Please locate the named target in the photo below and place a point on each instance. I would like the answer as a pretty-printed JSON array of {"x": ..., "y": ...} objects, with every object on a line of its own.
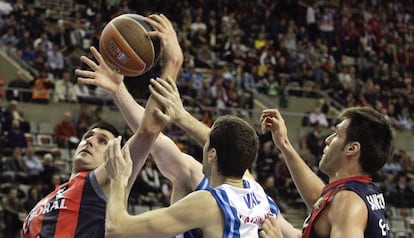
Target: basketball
[{"x": 125, "y": 47}]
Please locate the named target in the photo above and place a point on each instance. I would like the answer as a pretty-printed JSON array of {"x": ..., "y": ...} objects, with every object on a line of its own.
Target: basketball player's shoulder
[{"x": 347, "y": 202}]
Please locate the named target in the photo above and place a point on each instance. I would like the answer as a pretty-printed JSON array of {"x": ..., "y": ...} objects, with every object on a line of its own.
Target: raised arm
[
  {"x": 181, "y": 169},
  {"x": 136, "y": 117},
  {"x": 164, "y": 222},
  {"x": 307, "y": 182}
]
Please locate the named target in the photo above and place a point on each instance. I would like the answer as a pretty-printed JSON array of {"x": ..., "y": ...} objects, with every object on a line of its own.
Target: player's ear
[
  {"x": 212, "y": 155},
  {"x": 352, "y": 148}
]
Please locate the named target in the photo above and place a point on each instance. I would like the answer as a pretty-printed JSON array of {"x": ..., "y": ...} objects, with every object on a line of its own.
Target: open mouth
[{"x": 85, "y": 151}]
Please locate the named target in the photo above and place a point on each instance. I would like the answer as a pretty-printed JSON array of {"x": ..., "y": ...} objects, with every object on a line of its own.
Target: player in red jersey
[
  {"x": 350, "y": 205},
  {"x": 77, "y": 208}
]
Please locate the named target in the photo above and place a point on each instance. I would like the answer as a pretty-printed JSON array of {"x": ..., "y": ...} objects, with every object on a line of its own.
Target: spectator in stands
[
  {"x": 65, "y": 132},
  {"x": 269, "y": 187},
  {"x": 401, "y": 193},
  {"x": 204, "y": 93},
  {"x": 387, "y": 184},
  {"x": 65, "y": 89},
  {"x": 406, "y": 161},
  {"x": 18, "y": 89},
  {"x": 17, "y": 167},
  {"x": 98, "y": 114},
  {"x": 15, "y": 136},
  {"x": 14, "y": 113},
  {"x": 205, "y": 58},
  {"x": 327, "y": 25},
  {"x": 410, "y": 193},
  {"x": 49, "y": 168},
  {"x": 405, "y": 120},
  {"x": 33, "y": 196},
  {"x": 166, "y": 192},
  {"x": 233, "y": 94},
  {"x": 33, "y": 164},
  {"x": 43, "y": 43},
  {"x": 61, "y": 38},
  {"x": 13, "y": 213},
  {"x": 285, "y": 182},
  {"x": 266, "y": 161},
  {"x": 10, "y": 38},
  {"x": 314, "y": 141},
  {"x": 50, "y": 185},
  {"x": 248, "y": 86},
  {"x": 82, "y": 119},
  {"x": 55, "y": 61},
  {"x": 317, "y": 117},
  {"x": 207, "y": 117},
  {"x": 311, "y": 16},
  {"x": 83, "y": 94},
  {"x": 393, "y": 166},
  {"x": 41, "y": 88},
  {"x": 149, "y": 184},
  {"x": 103, "y": 97}
]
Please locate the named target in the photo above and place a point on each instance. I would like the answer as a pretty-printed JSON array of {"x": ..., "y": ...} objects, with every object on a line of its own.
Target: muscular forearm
[
  {"x": 131, "y": 111},
  {"x": 149, "y": 128},
  {"x": 195, "y": 128},
  {"x": 116, "y": 209},
  {"x": 308, "y": 184}
]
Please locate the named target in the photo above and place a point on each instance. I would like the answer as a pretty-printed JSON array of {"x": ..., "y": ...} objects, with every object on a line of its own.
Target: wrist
[
  {"x": 119, "y": 90},
  {"x": 118, "y": 186},
  {"x": 285, "y": 145},
  {"x": 182, "y": 118},
  {"x": 171, "y": 68}
]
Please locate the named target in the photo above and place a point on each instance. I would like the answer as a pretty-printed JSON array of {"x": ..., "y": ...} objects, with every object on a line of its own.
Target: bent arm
[
  {"x": 184, "y": 172},
  {"x": 306, "y": 181},
  {"x": 164, "y": 222}
]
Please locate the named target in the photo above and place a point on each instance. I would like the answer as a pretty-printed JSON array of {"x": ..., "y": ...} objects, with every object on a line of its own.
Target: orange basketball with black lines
[{"x": 126, "y": 48}]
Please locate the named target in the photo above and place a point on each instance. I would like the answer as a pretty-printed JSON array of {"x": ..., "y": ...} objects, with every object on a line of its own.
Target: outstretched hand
[
  {"x": 270, "y": 229},
  {"x": 167, "y": 94},
  {"x": 100, "y": 75},
  {"x": 118, "y": 163}
]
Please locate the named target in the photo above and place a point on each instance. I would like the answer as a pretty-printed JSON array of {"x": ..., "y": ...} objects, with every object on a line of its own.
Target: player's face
[
  {"x": 334, "y": 149},
  {"x": 91, "y": 149}
]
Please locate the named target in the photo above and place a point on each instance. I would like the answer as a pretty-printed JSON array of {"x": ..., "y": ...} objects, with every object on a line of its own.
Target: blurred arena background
[{"x": 310, "y": 59}]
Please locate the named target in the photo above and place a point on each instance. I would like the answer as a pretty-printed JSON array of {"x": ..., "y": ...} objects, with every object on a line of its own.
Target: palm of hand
[{"x": 107, "y": 78}]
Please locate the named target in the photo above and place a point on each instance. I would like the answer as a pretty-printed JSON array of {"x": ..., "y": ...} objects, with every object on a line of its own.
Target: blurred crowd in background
[{"x": 356, "y": 53}]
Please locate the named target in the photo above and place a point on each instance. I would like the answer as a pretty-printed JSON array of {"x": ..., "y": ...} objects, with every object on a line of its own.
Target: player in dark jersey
[
  {"x": 77, "y": 208},
  {"x": 350, "y": 205}
]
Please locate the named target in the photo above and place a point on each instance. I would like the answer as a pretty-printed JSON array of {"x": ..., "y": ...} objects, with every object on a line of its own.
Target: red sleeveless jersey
[{"x": 74, "y": 209}]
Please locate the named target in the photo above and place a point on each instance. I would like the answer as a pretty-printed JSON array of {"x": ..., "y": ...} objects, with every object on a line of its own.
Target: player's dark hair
[
  {"x": 109, "y": 127},
  {"x": 373, "y": 131},
  {"x": 236, "y": 144}
]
